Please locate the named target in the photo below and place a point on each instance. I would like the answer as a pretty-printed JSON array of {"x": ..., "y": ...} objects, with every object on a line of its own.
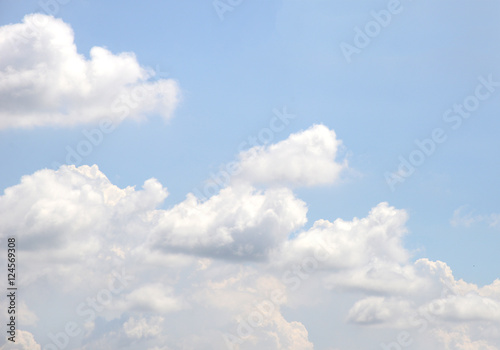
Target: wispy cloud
[{"x": 464, "y": 216}]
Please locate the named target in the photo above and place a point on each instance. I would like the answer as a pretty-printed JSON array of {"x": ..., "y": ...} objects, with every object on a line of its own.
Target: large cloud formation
[
  {"x": 227, "y": 271},
  {"x": 44, "y": 81}
]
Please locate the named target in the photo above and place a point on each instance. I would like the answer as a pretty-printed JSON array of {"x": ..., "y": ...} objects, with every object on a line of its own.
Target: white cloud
[
  {"x": 258, "y": 321},
  {"x": 26, "y": 316},
  {"x": 142, "y": 327},
  {"x": 44, "y": 81},
  {"x": 65, "y": 216},
  {"x": 373, "y": 310},
  {"x": 152, "y": 298},
  {"x": 471, "y": 307},
  {"x": 24, "y": 341},
  {"x": 347, "y": 244},
  {"x": 306, "y": 158},
  {"x": 208, "y": 265},
  {"x": 239, "y": 222},
  {"x": 459, "y": 340}
]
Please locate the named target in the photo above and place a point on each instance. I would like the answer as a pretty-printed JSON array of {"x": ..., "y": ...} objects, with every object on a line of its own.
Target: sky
[{"x": 235, "y": 174}]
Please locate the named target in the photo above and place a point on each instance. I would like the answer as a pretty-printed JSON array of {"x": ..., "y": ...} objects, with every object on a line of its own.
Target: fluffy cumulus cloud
[
  {"x": 44, "y": 81},
  {"x": 374, "y": 310},
  {"x": 233, "y": 271},
  {"x": 239, "y": 222},
  {"x": 65, "y": 216},
  {"x": 306, "y": 158},
  {"x": 359, "y": 242}
]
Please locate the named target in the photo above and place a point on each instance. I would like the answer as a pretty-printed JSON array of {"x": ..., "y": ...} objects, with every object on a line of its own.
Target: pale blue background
[{"x": 269, "y": 54}]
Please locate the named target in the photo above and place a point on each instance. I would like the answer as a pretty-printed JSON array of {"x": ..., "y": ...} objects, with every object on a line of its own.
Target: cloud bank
[{"x": 225, "y": 272}]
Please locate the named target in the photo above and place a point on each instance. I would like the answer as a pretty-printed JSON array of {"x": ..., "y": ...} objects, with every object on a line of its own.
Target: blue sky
[{"x": 232, "y": 72}]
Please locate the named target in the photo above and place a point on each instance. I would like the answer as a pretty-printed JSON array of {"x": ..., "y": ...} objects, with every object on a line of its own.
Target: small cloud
[
  {"x": 465, "y": 217},
  {"x": 306, "y": 158}
]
